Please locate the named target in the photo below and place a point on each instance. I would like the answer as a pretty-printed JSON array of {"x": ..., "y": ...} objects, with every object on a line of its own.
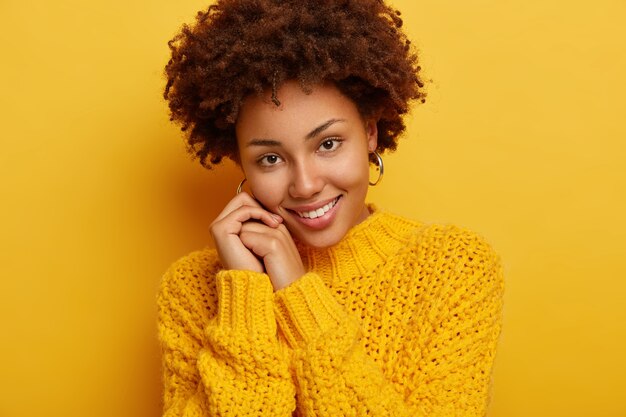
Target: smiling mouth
[{"x": 314, "y": 214}]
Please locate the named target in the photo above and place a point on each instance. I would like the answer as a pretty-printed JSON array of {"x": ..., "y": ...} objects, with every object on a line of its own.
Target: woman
[{"x": 314, "y": 303}]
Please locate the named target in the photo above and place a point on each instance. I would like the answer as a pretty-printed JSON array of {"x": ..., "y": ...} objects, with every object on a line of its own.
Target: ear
[{"x": 371, "y": 129}]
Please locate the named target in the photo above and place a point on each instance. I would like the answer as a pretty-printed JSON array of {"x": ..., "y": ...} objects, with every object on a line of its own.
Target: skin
[{"x": 310, "y": 152}]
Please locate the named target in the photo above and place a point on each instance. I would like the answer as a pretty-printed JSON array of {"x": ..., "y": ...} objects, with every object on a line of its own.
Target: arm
[
  {"x": 441, "y": 363},
  {"x": 229, "y": 363},
  {"x": 334, "y": 375}
]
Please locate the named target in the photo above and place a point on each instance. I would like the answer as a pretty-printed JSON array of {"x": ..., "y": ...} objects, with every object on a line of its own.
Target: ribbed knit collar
[{"x": 366, "y": 246}]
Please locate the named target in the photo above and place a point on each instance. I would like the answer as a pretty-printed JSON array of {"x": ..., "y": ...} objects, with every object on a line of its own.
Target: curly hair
[{"x": 242, "y": 47}]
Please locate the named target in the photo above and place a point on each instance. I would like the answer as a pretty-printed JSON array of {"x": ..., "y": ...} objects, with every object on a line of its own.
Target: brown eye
[
  {"x": 269, "y": 160},
  {"x": 330, "y": 145}
]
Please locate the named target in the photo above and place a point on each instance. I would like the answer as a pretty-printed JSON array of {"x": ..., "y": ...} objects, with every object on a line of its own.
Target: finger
[
  {"x": 242, "y": 199},
  {"x": 261, "y": 243},
  {"x": 233, "y": 222},
  {"x": 261, "y": 239},
  {"x": 283, "y": 229},
  {"x": 256, "y": 227},
  {"x": 281, "y": 259},
  {"x": 249, "y": 200},
  {"x": 270, "y": 239}
]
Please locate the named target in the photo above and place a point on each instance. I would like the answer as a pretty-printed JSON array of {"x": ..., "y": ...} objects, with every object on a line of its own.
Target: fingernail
[{"x": 277, "y": 218}]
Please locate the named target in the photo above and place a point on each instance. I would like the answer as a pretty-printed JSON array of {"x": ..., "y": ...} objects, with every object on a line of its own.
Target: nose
[{"x": 306, "y": 180}]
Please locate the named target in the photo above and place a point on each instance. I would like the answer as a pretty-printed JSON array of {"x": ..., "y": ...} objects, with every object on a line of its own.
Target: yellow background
[{"x": 522, "y": 139}]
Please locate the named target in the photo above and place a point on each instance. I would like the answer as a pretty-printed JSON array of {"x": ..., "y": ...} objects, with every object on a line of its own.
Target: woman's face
[{"x": 307, "y": 160}]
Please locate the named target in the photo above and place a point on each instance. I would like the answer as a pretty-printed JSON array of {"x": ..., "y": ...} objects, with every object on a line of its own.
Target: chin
[{"x": 320, "y": 240}]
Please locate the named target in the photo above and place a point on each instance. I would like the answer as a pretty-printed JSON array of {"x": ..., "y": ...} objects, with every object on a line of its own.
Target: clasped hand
[{"x": 248, "y": 237}]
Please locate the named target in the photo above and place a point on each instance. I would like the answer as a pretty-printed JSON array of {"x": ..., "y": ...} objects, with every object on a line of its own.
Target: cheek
[
  {"x": 354, "y": 173},
  {"x": 268, "y": 191}
]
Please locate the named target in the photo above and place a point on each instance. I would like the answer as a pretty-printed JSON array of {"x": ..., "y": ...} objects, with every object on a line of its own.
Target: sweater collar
[{"x": 365, "y": 247}]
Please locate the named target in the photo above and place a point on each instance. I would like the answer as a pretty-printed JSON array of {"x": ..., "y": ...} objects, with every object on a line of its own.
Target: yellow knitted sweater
[{"x": 398, "y": 319}]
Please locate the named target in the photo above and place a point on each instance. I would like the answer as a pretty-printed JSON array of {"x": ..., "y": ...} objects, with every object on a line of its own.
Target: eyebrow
[
  {"x": 263, "y": 142},
  {"x": 322, "y": 127},
  {"x": 313, "y": 133}
]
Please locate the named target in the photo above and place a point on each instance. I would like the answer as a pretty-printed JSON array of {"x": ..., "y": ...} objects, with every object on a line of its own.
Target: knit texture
[{"x": 397, "y": 319}]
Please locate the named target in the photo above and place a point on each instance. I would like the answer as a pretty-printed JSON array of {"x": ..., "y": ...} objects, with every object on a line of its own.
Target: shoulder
[
  {"x": 455, "y": 274},
  {"x": 455, "y": 255},
  {"x": 436, "y": 236},
  {"x": 203, "y": 262},
  {"x": 186, "y": 300},
  {"x": 189, "y": 282},
  {"x": 463, "y": 263},
  {"x": 452, "y": 241}
]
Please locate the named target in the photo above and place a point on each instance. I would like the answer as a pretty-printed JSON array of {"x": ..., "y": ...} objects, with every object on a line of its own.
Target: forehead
[{"x": 297, "y": 113}]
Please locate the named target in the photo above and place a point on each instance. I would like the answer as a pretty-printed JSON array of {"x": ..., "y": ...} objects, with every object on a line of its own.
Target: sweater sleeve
[
  {"x": 335, "y": 376},
  {"x": 230, "y": 364}
]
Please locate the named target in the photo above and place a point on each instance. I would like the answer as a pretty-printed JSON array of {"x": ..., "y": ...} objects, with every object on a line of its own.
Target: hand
[
  {"x": 276, "y": 247},
  {"x": 227, "y": 227}
]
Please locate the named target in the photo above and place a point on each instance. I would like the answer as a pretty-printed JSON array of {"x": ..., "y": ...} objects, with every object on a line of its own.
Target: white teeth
[{"x": 314, "y": 214}]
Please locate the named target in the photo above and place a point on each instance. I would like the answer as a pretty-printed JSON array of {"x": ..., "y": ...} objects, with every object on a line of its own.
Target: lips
[
  {"x": 317, "y": 216},
  {"x": 315, "y": 213}
]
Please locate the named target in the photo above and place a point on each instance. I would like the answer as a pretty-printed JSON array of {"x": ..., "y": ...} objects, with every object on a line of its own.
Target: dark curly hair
[{"x": 242, "y": 47}]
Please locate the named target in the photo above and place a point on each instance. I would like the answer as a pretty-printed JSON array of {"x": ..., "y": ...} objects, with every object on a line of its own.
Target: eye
[
  {"x": 330, "y": 145},
  {"x": 268, "y": 160}
]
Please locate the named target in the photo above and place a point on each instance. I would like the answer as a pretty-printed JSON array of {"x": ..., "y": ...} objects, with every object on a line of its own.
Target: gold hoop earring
[
  {"x": 240, "y": 186},
  {"x": 381, "y": 169}
]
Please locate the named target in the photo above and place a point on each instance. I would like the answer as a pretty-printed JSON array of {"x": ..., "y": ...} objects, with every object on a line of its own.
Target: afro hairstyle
[{"x": 242, "y": 47}]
